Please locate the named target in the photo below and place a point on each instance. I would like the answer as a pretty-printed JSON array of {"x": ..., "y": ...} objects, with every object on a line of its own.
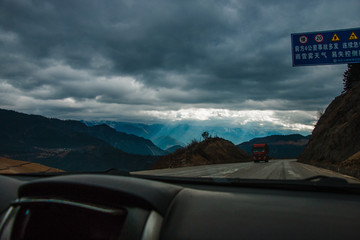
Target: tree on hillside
[
  {"x": 206, "y": 135},
  {"x": 351, "y": 76}
]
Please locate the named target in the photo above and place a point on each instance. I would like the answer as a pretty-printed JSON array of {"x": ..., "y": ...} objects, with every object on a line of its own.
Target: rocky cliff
[{"x": 335, "y": 141}]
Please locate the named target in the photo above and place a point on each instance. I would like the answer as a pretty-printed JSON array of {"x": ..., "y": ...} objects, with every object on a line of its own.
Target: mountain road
[{"x": 279, "y": 169}]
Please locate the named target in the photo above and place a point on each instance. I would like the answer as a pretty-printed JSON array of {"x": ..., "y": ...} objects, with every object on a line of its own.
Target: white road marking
[{"x": 292, "y": 173}]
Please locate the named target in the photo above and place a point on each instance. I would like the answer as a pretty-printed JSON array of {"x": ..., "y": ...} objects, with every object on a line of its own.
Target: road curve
[{"x": 280, "y": 169}]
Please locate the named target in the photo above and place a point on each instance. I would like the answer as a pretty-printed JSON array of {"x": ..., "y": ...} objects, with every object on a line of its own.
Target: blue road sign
[{"x": 326, "y": 47}]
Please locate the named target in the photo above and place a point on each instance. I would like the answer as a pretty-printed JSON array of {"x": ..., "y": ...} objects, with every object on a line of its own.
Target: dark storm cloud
[{"x": 165, "y": 55}]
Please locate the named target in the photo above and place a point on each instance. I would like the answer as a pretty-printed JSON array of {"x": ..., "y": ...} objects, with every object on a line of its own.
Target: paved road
[{"x": 275, "y": 169}]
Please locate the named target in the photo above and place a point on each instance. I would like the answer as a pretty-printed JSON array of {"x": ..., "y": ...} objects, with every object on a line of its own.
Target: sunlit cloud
[{"x": 234, "y": 118}]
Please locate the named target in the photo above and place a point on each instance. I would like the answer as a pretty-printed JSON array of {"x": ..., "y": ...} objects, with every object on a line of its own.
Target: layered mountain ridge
[{"x": 71, "y": 145}]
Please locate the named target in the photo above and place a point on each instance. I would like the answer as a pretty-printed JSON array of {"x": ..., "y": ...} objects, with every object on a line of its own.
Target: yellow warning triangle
[
  {"x": 353, "y": 36},
  {"x": 335, "y": 38}
]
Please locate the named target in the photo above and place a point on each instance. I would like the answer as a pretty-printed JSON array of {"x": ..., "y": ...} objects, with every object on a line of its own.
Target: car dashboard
[{"x": 99, "y": 206}]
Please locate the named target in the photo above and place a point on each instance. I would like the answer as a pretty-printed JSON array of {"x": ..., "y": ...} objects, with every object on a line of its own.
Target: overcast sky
[{"x": 222, "y": 62}]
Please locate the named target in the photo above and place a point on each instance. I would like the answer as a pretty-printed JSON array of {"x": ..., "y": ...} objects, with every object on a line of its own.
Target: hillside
[
  {"x": 10, "y": 166},
  {"x": 173, "y": 148},
  {"x": 67, "y": 145},
  {"x": 210, "y": 151},
  {"x": 335, "y": 140},
  {"x": 126, "y": 142},
  {"x": 280, "y": 146}
]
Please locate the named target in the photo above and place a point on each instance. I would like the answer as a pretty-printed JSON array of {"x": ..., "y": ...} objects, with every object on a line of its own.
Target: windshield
[{"x": 181, "y": 88}]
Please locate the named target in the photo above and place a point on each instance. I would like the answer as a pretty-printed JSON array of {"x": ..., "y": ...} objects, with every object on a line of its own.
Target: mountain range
[
  {"x": 71, "y": 145},
  {"x": 74, "y": 146},
  {"x": 170, "y": 134}
]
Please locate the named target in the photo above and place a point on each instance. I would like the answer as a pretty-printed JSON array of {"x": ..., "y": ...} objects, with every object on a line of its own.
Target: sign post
[{"x": 326, "y": 47}]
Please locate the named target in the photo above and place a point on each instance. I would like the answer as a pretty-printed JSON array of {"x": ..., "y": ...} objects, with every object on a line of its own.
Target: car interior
[{"x": 110, "y": 206}]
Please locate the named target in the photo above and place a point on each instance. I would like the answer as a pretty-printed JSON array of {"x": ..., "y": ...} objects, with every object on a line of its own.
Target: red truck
[{"x": 260, "y": 152}]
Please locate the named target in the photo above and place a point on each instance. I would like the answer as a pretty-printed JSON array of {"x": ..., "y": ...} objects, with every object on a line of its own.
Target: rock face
[
  {"x": 210, "y": 151},
  {"x": 336, "y": 136}
]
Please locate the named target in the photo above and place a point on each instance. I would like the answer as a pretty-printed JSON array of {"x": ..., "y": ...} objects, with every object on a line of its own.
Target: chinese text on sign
[{"x": 326, "y": 47}]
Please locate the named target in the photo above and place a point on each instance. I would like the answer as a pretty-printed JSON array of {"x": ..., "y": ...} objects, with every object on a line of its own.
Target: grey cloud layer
[{"x": 166, "y": 54}]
